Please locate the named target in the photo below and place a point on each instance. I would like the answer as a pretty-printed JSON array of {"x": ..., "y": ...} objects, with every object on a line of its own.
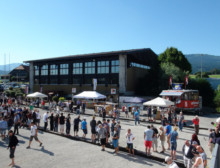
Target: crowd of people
[{"x": 106, "y": 131}]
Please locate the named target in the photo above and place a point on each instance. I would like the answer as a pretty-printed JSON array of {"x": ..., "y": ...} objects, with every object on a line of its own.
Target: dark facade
[
  {"x": 113, "y": 70},
  {"x": 20, "y": 74}
]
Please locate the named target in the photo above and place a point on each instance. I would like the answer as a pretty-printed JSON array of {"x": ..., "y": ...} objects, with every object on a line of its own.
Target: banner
[
  {"x": 41, "y": 89},
  {"x": 186, "y": 80},
  {"x": 26, "y": 90},
  {"x": 170, "y": 81},
  {"x": 177, "y": 86}
]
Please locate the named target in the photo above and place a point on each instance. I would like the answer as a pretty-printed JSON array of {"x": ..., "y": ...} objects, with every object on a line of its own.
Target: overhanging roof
[
  {"x": 102, "y": 54},
  {"x": 175, "y": 92}
]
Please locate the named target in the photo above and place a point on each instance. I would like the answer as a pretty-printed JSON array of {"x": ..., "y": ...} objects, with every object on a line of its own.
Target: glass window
[
  {"x": 115, "y": 66},
  {"x": 89, "y": 67},
  {"x": 77, "y": 68},
  {"x": 53, "y": 69},
  {"x": 44, "y": 70},
  {"x": 36, "y": 70},
  {"x": 103, "y": 67},
  {"x": 64, "y": 69}
]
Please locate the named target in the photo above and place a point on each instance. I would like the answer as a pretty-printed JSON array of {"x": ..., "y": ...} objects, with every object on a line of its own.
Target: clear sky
[{"x": 34, "y": 29}]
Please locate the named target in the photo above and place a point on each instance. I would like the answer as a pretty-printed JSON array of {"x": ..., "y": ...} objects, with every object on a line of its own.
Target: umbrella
[
  {"x": 89, "y": 95},
  {"x": 218, "y": 120},
  {"x": 36, "y": 95},
  {"x": 134, "y": 100},
  {"x": 160, "y": 102}
]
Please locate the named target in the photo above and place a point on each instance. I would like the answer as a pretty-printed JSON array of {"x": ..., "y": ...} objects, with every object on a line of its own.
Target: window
[
  {"x": 36, "y": 70},
  {"x": 89, "y": 67},
  {"x": 103, "y": 67},
  {"x": 64, "y": 69},
  {"x": 139, "y": 65},
  {"x": 115, "y": 66},
  {"x": 77, "y": 68},
  {"x": 53, "y": 69},
  {"x": 44, "y": 70}
]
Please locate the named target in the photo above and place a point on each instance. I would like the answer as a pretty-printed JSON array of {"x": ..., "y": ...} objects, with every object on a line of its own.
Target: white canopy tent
[
  {"x": 36, "y": 95},
  {"x": 89, "y": 95},
  {"x": 159, "y": 102}
]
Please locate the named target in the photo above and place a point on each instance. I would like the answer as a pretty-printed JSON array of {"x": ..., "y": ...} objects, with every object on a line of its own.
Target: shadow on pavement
[
  {"x": 22, "y": 137},
  {"x": 44, "y": 151}
]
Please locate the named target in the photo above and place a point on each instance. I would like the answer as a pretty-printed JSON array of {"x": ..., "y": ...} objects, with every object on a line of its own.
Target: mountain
[
  {"x": 209, "y": 62},
  {"x": 3, "y": 72},
  {"x": 12, "y": 66}
]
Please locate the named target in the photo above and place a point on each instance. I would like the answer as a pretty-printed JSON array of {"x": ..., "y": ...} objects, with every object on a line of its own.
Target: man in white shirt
[
  {"x": 130, "y": 137},
  {"x": 33, "y": 135},
  {"x": 170, "y": 162},
  {"x": 45, "y": 118}
]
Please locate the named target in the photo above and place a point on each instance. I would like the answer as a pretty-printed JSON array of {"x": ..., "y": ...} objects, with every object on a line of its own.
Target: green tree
[
  {"x": 172, "y": 55},
  {"x": 205, "y": 90}
]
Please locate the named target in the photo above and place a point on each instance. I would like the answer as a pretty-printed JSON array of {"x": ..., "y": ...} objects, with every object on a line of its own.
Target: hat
[{"x": 167, "y": 159}]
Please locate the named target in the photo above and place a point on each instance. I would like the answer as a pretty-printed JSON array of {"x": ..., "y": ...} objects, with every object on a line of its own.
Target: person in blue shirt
[
  {"x": 84, "y": 127},
  {"x": 173, "y": 142},
  {"x": 168, "y": 130},
  {"x": 136, "y": 117}
]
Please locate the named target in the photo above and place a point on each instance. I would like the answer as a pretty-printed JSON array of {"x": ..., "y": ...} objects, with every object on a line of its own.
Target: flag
[
  {"x": 186, "y": 80},
  {"x": 170, "y": 81}
]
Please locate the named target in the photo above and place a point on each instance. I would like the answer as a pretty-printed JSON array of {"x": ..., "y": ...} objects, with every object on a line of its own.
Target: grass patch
[
  {"x": 215, "y": 76},
  {"x": 192, "y": 76}
]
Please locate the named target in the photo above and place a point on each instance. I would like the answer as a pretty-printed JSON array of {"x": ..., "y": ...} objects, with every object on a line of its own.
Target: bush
[
  {"x": 61, "y": 99},
  {"x": 55, "y": 98}
]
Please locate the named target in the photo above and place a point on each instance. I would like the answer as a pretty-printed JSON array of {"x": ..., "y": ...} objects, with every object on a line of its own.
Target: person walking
[
  {"x": 76, "y": 125},
  {"x": 13, "y": 141},
  {"x": 84, "y": 127},
  {"x": 102, "y": 135},
  {"x": 33, "y": 135},
  {"x": 130, "y": 138},
  {"x": 173, "y": 142},
  {"x": 68, "y": 125},
  {"x": 202, "y": 154},
  {"x": 93, "y": 129},
  {"x": 154, "y": 138},
  {"x": 196, "y": 124},
  {"x": 181, "y": 120},
  {"x": 45, "y": 118},
  {"x": 62, "y": 122},
  {"x": 198, "y": 160},
  {"x": 148, "y": 134},
  {"x": 113, "y": 124},
  {"x": 38, "y": 116}
]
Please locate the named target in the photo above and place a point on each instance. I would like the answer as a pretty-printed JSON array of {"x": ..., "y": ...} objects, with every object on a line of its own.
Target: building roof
[
  {"x": 22, "y": 67},
  {"x": 103, "y": 54}
]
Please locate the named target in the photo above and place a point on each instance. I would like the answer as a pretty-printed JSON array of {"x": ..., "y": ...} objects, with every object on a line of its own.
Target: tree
[{"x": 172, "y": 55}]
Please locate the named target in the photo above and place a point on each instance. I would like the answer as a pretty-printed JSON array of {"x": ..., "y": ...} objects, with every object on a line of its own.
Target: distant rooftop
[{"x": 110, "y": 53}]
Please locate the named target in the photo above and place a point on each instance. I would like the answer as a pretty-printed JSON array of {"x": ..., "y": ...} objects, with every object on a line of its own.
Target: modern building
[
  {"x": 20, "y": 74},
  {"x": 113, "y": 73}
]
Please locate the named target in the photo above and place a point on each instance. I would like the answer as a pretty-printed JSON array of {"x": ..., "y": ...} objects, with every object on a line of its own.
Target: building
[
  {"x": 5, "y": 78},
  {"x": 116, "y": 73},
  {"x": 20, "y": 74}
]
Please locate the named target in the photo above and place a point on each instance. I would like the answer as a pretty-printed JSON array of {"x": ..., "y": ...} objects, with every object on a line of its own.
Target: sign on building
[
  {"x": 113, "y": 91},
  {"x": 94, "y": 84},
  {"x": 73, "y": 90}
]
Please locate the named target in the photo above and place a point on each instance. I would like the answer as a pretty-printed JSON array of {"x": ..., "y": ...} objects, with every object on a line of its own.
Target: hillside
[
  {"x": 12, "y": 66},
  {"x": 209, "y": 62}
]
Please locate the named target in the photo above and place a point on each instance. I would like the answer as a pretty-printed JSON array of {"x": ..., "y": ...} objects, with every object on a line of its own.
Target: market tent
[
  {"x": 89, "y": 95},
  {"x": 159, "y": 102},
  {"x": 36, "y": 95},
  {"x": 134, "y": 100}
]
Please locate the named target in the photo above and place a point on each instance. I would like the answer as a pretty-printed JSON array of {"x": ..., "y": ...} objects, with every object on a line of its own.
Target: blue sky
[{"x": 48, "y": 28}]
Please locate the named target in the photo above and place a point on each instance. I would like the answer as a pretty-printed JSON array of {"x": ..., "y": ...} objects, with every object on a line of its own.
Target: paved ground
[
  {"x": 60, "y": 152},
  {"x": 57, "y": 149}
]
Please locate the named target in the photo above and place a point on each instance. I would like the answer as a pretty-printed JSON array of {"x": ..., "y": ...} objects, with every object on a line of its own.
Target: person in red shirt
[{"x": 196, "y": 124}]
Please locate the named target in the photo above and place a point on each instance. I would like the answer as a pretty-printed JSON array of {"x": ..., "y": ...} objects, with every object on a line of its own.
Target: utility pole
[{"x": 201, "y": 66}]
